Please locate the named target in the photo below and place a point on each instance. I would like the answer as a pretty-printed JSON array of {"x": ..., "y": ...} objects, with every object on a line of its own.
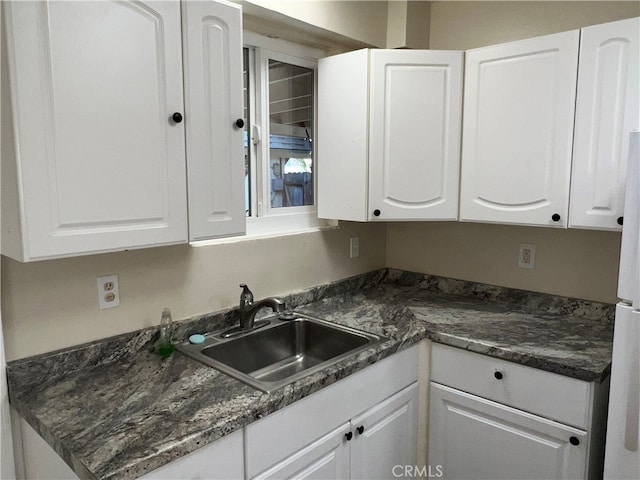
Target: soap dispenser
[{"x": 165, "y": 346}]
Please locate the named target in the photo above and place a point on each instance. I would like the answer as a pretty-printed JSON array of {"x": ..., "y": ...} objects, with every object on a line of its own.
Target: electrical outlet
[
  {"x": 527, "y": 256},
  {"x": 354, "y": 247},
  {"x": 108, "y": 291}
]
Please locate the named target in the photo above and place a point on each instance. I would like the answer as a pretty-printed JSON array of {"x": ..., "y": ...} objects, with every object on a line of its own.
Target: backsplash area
[
  {"x": 569, "y": 262},
  {"x": 53, "y": 304},
  {"x": 57, "y": 364}
]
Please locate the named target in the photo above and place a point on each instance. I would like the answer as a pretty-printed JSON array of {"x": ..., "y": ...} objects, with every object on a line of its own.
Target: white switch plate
[
  {"x": 108, "y": 291},
  {"x": 354, "y": 247},
  {"x": 527, "y": 256}
]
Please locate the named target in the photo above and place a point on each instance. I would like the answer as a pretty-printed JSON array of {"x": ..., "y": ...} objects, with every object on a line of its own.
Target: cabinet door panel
[
  {"x": 414, "y": 138},
  {"x": 607, "y": 109},
  {"x": 93, "y": 85},
  {"x": 213, "y": 97},
  {"x": 388, "y": 437},
  {"x": 474, "y": 438},
  {"x": 518, "y": 130},
  {"x": 326, "y": 458},
  {"x": 343, "y": 119}
]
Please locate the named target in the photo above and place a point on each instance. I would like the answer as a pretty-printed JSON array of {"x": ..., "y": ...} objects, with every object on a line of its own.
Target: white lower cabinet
[
  {"x": 476, "y": 438},
  {"x": 385, "y": 436},
  {"x": 327, "y": 457},
  {"x": 492, "y": 419},
  {"x": 367, "y": 447},
  {"x": 359, "y": 428}
]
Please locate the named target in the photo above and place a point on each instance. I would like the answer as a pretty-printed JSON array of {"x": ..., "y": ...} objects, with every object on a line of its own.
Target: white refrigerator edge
[{"x": 622, "y": 457}]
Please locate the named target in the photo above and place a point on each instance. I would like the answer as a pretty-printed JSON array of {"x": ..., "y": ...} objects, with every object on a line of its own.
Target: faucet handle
[{"x": 246, "y": 297}]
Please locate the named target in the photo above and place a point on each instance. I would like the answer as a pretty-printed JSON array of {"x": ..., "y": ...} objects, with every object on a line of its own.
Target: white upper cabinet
[
  {"x": 98, "y": 116},
  {"x": 212, "y": 49},
  {"x": 99, "y": 163},
  {"x": 414, "y": 143},
  {"x": 389, "y": 135},
  {"x": 518, "y": 130},
  {"x": 607, "y": 109}
]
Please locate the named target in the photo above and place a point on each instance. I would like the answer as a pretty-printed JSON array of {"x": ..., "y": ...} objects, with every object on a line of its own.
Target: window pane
[
  {"x": 247, "y": 150},
  {"x": 291, "y": 134}
]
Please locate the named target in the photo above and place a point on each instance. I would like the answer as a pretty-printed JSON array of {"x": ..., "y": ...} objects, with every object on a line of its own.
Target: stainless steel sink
[{"x": 282, "y": 352}]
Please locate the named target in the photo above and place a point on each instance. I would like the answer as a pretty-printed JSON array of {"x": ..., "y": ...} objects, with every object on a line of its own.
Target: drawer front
[{"x": 546, "y": 394}]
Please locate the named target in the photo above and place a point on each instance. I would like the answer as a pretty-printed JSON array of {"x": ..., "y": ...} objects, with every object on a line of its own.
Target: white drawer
[{"x": 546, "y": 394}]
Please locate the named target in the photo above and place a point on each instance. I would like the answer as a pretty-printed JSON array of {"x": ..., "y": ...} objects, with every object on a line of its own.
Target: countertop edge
[
  {"x": 57, "y": 445},
  {"x": 274, "y": 402},
  {"x": 277, "y": 400},
  {"x": 519, "y": 358}
]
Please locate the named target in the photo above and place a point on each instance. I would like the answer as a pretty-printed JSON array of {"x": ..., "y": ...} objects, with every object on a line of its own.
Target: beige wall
[
  {"x": 54, "y": 304},
  {"x": 570, "y": 262},
  {"x": 574, "y": 263},
  {"x": 462, "y": 25},
  {"x": 365, "y": 21},
  {"x": 354, "y": 23},
  {"x": 408, "y": 24}
]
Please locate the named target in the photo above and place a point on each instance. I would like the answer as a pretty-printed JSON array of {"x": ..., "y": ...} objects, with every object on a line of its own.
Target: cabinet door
[
  {"x": 607, "y": 109},
  {"x": 213, "y": 97},
  {"x": 414, "y": 137},
  {"x": 518, "y": 130},
  {"x": 388, "y": 438},
  {"x": 474, "y": 438},
  {"x": 100, "y": 160},
  {"x": 326, "y": 458},
  {"x": 343, "y": 119}
]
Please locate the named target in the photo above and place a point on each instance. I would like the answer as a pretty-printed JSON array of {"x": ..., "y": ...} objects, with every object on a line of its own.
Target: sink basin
[{"x": 282, "y": 352}]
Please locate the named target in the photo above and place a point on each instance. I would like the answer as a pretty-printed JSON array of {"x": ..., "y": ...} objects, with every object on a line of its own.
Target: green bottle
[{"x": 164, "y": 346}]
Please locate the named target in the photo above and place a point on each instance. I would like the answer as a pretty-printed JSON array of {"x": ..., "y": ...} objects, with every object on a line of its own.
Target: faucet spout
[
  {"x": 248, "y": 314},
  {"x": 248, "y": 308}
]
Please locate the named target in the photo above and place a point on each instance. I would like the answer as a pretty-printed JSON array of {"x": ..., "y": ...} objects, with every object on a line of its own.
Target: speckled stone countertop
[{"x": 112, "y": 409}]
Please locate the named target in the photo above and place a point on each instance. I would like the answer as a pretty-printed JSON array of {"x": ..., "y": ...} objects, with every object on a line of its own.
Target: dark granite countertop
[{"x": 115, "y": 410}]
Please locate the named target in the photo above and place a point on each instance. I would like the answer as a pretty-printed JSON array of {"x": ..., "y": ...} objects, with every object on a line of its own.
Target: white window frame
[{"x": 264, "y": 219}]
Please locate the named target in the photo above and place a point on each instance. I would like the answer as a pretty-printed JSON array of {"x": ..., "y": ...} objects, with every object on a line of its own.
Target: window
[{"x": 280, "y": 112}]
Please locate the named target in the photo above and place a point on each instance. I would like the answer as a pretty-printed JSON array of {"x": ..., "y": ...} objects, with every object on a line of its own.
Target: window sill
[{"x": 330, "y": 225}]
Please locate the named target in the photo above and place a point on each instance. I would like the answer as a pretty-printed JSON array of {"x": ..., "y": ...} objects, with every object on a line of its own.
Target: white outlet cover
[
  {"x": 527, "y": 256},
  {"x": 354, "y": 247},
  {"x": 108, "y": 297}
]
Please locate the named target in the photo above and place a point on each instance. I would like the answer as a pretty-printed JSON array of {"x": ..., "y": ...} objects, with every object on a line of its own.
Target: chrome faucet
[{"x": 249, "y": 308}]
